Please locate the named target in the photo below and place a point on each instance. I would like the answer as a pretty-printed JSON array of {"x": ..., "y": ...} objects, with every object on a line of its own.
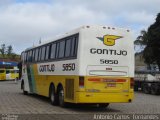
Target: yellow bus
[
  {"x": 90, "y": 65},
  {"x": 12, "y": 74},
  {"x": 2, "y": 74},
  {"x": 15, "y": 74},
  {"x": 9, "y": 74}
]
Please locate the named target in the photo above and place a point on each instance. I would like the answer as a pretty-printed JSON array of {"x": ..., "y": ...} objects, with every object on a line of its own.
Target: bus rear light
[
  {"x": 94, "y": 79},
  {"x": 121, "y": 80},
  {"x": 131, "y": 83},
  {"x": 106, "y": 80},
  {"x": 81, "y": 81}
]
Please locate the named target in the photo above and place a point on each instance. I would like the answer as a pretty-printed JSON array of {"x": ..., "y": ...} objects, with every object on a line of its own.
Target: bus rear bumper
[{"x": 86, "y": 97}]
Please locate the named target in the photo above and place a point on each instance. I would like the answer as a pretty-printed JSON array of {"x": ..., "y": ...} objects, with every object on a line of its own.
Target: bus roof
[{"x": 74, "y": 32}]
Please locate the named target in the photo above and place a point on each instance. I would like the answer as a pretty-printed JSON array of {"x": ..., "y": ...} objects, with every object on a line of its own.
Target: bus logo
[{"x": 109, "y": 40}]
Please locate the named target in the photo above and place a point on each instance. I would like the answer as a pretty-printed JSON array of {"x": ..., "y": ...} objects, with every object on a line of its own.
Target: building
[{"x": 8, "y": 64}]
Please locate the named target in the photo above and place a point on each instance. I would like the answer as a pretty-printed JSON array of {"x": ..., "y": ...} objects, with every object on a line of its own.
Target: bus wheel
[
  {"x": 53, "y": 97},
  {"x": 61, "y": 97},
  {"x": 103, "y": 105},
  {"x": 22, "y": 87}
]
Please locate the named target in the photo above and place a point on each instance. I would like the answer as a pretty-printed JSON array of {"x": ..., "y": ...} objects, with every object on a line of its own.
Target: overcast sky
[{"x": 24, "y": 22}]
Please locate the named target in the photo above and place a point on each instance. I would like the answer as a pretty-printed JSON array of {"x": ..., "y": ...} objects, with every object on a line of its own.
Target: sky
[{"x": 24, "y": 22}]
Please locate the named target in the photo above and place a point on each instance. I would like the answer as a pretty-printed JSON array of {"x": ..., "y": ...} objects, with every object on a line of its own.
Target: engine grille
[{"x": 69, "y": 88}]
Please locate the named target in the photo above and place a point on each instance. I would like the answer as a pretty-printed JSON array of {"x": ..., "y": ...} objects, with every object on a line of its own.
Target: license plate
[{"x": 111, "y": 84}]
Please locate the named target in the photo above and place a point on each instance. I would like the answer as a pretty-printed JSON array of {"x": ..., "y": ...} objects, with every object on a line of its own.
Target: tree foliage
[
  {"x": 3, "y": 49},
  {"x": 7, "y": 52},
  {"x": 151, "y": 40},
  {"x": 142, "y": 39},
  {"x": 154, "y": 40}
]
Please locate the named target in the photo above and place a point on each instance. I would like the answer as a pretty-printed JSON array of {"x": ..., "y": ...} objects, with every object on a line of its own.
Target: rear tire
[
  {"x": 52, "y": 95},
  {"x": 61, "y": 97}
]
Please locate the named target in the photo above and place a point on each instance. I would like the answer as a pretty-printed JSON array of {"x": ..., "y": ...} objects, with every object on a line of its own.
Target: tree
[
  {"x": 142, "y": 39},
  {"x": 3, "y": 50},
  {"x": 13, "y": 56},
  {"x": 154, "y": 40},
  {"x": 151, "y": 40},
  {"x": 9, "y": 50}
]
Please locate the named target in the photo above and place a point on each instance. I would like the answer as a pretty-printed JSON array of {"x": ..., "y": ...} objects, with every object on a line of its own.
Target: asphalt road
[{"x": 12, "y": 101}]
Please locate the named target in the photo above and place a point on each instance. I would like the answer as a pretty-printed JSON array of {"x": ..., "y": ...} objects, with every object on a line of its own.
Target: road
[{"x": 12, "y": 101}]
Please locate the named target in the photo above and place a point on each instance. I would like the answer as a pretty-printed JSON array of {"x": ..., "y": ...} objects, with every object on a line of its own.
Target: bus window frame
[{"x": 57, "y": 42}]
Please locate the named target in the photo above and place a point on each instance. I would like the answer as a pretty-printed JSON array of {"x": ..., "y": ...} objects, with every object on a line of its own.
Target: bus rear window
[{"x": 2, "y": 71}]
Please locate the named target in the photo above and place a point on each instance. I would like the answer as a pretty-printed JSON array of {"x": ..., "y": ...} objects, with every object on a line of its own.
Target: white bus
[
  {"x": 12, "y": 74},
  {"x": 92, "y": 64}
]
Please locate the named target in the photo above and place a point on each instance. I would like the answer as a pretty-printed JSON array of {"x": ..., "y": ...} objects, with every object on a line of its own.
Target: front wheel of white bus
[{"x": 22, "y": 87}]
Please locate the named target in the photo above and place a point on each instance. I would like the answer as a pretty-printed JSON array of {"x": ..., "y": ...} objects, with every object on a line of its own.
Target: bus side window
[
  {"x": 57, "y": 49},
  {"x": 43, "y": 52},
  {"x": 30, "y": 56},
  {"x": 7, "y": 71},
  {"x": 33, "y": 54},
  {"x": 68, "y": 48},
  {"x": 2, "y": 71},
  {"x": 53, "y": 51},
  {"x": 36, "y": 55},
  {"x": 39, "y": 55},
  {"x": 61, "y": 49},
  {"x": 74, "y": 47},
  {"x": 47, "y": 53}
]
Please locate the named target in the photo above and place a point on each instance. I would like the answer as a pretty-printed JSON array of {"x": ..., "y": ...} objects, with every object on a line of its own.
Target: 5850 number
[
  {"x": 68, "y": 67},
  {"x": 104, "y": 61}
]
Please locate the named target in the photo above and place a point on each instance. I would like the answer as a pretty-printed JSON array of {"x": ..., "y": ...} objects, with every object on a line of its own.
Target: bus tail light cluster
[
  {"x": 107, "y": 80},
  {"x": 131, "y": 83},
  {"x": 81, "y": 81}
]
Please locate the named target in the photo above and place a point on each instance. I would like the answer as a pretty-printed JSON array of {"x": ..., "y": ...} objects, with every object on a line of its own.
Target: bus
[
  {"x": 12, "y": 74},
  {"x": 89, "y": 65},
  {"x": 2, "y": 74},
  {"x": 9, "y": 74}
]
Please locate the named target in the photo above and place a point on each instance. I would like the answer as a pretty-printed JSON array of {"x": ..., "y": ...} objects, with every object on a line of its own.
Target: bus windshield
[
  {"x": 2, "y": 71},
  {"x": 7, "y": 71}
]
